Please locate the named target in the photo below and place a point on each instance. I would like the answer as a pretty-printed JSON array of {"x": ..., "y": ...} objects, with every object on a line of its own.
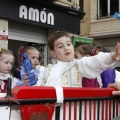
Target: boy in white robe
[{"x": 67, "y": 71}]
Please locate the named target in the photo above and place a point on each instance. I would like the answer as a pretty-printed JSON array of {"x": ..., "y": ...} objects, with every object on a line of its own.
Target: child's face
[
  {"x": 63, "y": 49},
  {"x": 34, "y": 56},
  {"x": 6, "y": 63},
  {"x": 78, "y": 55}
]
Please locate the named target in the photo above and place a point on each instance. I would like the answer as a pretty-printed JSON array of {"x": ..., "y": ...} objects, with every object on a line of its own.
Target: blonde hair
[
  {"x": 22, "y": 50},
  {"x": 6, "y": 52}
]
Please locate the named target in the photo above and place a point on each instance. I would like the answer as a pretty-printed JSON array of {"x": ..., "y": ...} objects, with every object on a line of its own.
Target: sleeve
[
  {"x": 93, "y": 66},
  {"x": 41, "y": 79},
  {"x": 117, "y": 77}
]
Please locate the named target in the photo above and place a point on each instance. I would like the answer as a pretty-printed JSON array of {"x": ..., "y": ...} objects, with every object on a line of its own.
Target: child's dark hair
[
  {"x": 86, "y": 49},
  {"x": 6, "y": 52},
  {"x": 55, "y": 36},
  {"x": 22, "y": 50}
]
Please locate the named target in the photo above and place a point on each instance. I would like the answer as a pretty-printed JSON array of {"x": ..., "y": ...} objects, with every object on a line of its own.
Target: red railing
[{"x": 39, "y": 103}]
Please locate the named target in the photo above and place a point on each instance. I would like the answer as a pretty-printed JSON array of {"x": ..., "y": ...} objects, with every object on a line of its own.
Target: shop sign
[
  {"x": 36, "y": 15},
  {"x": 40, "y": 15}
]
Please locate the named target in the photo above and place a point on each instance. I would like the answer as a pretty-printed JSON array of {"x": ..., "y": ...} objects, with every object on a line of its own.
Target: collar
[{"x": 4, "y": 76}]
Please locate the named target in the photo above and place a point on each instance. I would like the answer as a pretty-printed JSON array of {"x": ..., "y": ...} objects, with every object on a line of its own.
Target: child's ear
[{"x": 53, "y": 53}]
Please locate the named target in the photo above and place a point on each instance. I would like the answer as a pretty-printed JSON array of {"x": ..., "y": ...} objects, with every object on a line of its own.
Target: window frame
[{"x": 108, "y": 9}]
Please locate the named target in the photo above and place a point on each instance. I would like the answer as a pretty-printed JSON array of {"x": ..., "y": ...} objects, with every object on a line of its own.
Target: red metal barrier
[
  {"x": 38, "y": 103},
  {"x": 23, "y": 92},
  {"x": 74, "y": 94}
]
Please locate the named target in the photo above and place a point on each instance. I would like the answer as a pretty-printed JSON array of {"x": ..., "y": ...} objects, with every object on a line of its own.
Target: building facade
[
  {"x": 99, "y": 24},
  {"x": 30, "y": 22}
]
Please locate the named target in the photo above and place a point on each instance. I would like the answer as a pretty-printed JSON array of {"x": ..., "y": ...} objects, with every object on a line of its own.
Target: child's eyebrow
[
  {"x": 61, "y": 43},
  {"x": 68, "y": 41},
  {"x": 58, "y": 44}
]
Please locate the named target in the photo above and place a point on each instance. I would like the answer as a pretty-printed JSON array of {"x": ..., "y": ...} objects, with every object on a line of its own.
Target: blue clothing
[
  {"x": 108, "y": 76},
  {"x": 116, "y": 15}
]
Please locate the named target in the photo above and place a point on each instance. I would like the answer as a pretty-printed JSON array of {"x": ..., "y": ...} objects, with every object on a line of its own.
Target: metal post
[{"x": 8, "y": 90}]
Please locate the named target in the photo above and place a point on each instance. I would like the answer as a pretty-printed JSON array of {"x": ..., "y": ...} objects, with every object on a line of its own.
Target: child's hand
[
  {"x": 116, "y": 55},
  {"x": 116, "y": 86},
  {"x": 26, "y": 80}
]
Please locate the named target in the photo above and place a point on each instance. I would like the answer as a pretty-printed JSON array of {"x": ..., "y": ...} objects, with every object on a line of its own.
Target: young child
[
  {"x": 106, "y": 77},
  {"x": 34, "y": 55},
  {"x": 67, "y": 71},
  {"x": 6, "y": 63}
]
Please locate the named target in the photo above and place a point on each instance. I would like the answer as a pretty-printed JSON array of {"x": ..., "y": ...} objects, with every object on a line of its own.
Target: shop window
[
  {"x": 39, "y": 47},
  {"x": 106, "y": 8}
]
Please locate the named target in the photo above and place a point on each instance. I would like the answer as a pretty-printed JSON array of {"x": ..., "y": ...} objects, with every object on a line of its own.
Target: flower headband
[{"x": 93, "y": 52}]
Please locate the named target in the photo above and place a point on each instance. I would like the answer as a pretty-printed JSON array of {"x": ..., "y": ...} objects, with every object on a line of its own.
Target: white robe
[{"x": 89, "y": 67}]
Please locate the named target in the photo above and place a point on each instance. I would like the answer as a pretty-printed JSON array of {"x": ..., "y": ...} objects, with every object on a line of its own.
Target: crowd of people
[
  {"x": 84, "y": 66},
  {"x": 108, "y": 76}
]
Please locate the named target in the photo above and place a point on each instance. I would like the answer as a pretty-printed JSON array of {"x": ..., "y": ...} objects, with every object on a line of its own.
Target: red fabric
[
  {"x": 5, "y": 87},
  {"x": 90, "y": 82}
]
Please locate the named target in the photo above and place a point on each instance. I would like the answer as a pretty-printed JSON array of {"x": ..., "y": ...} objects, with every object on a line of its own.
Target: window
[
  {"x": 103, "y": 8},
  {"x": 81, "y": 5},
  {"x": 115, "y": 6},
  {"x": 107, "y": 8}
]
